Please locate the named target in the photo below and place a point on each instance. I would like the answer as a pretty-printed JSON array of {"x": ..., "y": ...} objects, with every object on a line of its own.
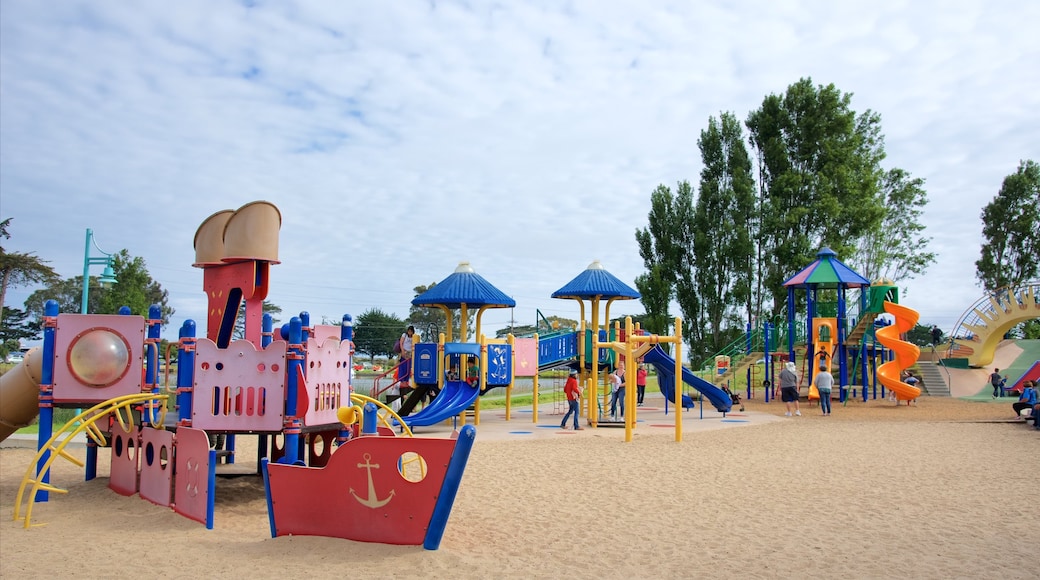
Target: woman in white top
[
  {"x": 408, "y": 342},
  {"x": 617, "y": 385}
]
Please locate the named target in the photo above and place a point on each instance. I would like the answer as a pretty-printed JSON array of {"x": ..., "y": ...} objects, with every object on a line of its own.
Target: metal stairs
[{"x": 934, "y": 379}]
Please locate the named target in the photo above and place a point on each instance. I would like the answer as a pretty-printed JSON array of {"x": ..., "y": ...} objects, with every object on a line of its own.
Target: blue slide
[
  {"x": 665, "y": 366},
  {"x": 455, "y": 398}
]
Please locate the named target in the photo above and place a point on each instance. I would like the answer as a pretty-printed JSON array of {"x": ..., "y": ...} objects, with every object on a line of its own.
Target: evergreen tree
[
  {"x": 20, "y": 269},
  {"x": 375, "y": 332}
]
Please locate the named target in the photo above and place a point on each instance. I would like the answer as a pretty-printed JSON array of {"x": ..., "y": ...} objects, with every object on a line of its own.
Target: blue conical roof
[
  {"x": 827, "y": 271},
  {"x": 595, "y": 282},
  {"x": 464, "y": 286}
]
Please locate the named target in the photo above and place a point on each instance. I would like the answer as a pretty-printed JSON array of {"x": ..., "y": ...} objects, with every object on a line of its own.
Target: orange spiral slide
[{"x": 905, "y": 353}]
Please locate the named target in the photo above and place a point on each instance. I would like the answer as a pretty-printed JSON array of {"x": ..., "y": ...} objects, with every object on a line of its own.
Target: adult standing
[
  {"x": 824, "y": 381},
  {"x": 573, "y": 393},
  {"x": 640, "y": 384},
  {"x": 617, "y": 389},
  {"x": 994, "y": 380},
  {"x": 789, "y": 388}
]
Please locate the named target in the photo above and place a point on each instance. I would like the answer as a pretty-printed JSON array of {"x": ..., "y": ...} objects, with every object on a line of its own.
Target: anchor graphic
[{"x": 373, "y": 500}]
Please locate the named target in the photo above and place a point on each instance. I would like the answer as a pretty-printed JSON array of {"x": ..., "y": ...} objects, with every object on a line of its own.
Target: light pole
[{"x": 107, "y": 277}]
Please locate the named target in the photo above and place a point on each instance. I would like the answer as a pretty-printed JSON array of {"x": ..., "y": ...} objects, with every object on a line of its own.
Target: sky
[{"x": 398, "y": 139}]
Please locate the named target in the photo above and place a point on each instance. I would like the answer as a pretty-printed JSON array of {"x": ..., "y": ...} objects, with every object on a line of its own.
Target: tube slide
[
  {"x": 20, "y": 394},
  {"x": 665, "y": 366},
  {"x": 905, "y": 353},
  {"x": 455, "y": 398}
]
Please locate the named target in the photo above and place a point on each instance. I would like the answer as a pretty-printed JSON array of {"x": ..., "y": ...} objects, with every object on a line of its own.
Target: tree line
[{"x": 802, "y": 172}]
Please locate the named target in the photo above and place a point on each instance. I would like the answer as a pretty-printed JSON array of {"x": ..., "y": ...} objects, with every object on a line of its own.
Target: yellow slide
[
  {"x": 824, "y": 337},
  {"x": 20, "y": 394},
  {"x": 905, "y": 353}
]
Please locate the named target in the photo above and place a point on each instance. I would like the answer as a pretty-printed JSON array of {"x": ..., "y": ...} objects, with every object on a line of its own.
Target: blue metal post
[
  {"x": 790, "y": 324},
  {"x": 292, "y": 427},
  {"x": 152, "y": 362},
  {"x": 185, "y": 371},
  {"x": 266, "y": 330},
  {"x": 843, "y": 370},
  {"x": 452, "y": 479},
  {"x": 370, "y": 419},
  {"x": 46, "y": 422},
  {"x": 305, "y": 334},
  {"x": 346, "y": 334},
  {"x": 346, "y": 329},
  {"x": 767, "y": 366}
]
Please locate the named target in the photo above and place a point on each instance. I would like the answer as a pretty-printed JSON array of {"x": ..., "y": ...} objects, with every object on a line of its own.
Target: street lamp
[{"x": 107, "y": 277}]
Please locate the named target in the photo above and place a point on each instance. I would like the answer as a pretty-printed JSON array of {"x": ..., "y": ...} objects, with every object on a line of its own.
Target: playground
[
  {"x": 321, "y": 478},
  {"x": 785, "y": 497}
]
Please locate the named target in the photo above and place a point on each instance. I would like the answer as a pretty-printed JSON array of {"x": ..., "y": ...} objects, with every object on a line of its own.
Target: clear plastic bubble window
[{"x": 99, "y": 357}]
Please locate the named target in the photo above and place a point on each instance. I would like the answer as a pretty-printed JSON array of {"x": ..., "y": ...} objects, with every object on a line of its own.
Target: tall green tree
[
  {"x": 1011, "y": 250},
  {"x": 655, "y": 293},
  {"x": 897, "y": 249},
  {"x": 376, "y": 331},
  {"x": 666, "y": 245},
  {"x": 722, "y": 232},
  {"x": 15, "y": 326},
  {"x": 819, "y": 172},
  {"x": 68, "y": 293},
  {"x": 134, "y": 288},
  {"x": 19, "y": 269}
]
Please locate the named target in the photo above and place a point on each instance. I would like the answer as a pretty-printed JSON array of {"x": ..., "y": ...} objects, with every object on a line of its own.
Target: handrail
[
  {"x": 949, "y": 377},
  {"x": 985, "y": 305},
  {"x": 387, "y": 412},
  {"x": 375, "y": 382}
]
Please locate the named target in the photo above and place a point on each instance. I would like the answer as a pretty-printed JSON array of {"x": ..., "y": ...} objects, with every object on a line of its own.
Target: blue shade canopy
[
  {"x": 827, "y": 271},
  {"x": 595, "y": 282},
  {"x": 467, "y": 287}
]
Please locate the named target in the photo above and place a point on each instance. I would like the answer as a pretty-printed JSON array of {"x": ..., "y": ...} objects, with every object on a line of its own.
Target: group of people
[
  {"x": 997, "y": 382},
  {"x": 1030, "y": 399},
  {"x": 617, "y": 390},
  {"x": 823, "y": 381},
  {"x": 572, "y": 390}
]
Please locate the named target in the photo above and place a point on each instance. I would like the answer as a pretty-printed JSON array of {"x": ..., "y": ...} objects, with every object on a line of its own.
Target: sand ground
[{"x": 943, "y": 489}]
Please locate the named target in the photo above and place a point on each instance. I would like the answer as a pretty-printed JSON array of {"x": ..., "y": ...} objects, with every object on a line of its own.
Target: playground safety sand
[{"x": 871, "y": 491}]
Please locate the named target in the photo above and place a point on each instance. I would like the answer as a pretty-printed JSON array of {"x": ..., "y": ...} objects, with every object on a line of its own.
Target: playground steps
[
  {"x": 934, "y": 379},
  {"x": 855, "y": 337},
  {"x": 737, "y": 369}
]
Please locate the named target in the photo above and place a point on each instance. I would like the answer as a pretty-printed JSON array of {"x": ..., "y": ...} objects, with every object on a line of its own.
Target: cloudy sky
[{"x": 400, "y": 138}]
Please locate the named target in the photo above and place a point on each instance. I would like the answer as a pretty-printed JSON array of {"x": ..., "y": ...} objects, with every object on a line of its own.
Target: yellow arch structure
[
  {"x": 85, "y": 422},
  {"x": 983, "y": 324}
]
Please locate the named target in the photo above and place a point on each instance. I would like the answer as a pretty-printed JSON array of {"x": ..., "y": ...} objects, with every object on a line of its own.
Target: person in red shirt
[
  {"x": 640, "y": 384},
  {"x": 573, "y": 393}
]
